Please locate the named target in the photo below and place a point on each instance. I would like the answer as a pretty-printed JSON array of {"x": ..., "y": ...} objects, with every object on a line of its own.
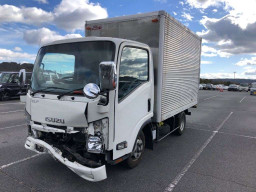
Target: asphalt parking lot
[{"x": 216, "y": 153}]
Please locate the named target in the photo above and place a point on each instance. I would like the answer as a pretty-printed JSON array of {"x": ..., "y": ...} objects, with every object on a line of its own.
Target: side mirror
[
  {"x": 22, "y": 77},
  {"x": 107, "y": 75},
  {"x": 91, "y": 90}
]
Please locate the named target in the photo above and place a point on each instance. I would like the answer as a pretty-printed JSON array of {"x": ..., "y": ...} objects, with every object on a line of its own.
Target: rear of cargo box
[{"x": 176, "y": 56}]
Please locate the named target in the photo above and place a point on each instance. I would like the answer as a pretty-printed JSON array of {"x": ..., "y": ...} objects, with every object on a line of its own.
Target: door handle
[{"x": 149, "y": 105}]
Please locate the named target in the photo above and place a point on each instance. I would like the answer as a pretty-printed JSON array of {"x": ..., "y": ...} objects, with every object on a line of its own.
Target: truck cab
[{"x": 107, "y": 124}]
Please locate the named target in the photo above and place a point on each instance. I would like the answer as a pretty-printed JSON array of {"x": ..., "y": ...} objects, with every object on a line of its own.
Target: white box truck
[{"x": 112, "y": 94}]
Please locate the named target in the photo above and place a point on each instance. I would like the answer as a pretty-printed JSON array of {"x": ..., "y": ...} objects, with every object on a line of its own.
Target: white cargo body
[{"x": 176, "y": 55}]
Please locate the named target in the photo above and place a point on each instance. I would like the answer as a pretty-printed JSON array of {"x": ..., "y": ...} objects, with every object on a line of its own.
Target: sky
[{"x": 228, "y": 28}]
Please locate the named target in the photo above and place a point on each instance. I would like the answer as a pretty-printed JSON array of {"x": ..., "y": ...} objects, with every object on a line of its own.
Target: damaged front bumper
[{"x": 90, "y": 174}]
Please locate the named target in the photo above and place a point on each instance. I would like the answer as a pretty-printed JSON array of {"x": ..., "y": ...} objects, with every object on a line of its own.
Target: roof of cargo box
[
  {"x": 137, "y": 16},
  {"x": 83, "y": 39}
]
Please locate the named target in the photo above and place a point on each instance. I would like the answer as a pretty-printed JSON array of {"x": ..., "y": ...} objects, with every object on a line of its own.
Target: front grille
[{"x": 57, "y": 126}]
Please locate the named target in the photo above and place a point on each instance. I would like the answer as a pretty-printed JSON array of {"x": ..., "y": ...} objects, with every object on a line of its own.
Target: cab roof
[{"x": 83, "y": 39}]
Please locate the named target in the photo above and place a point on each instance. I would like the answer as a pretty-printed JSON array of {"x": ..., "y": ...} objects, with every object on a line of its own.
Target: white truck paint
[{"x": 156, "y": 62}]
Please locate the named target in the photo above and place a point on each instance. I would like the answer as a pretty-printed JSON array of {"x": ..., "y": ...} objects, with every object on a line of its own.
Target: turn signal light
[
  {"x": 118, "y": 160},
  {"x": 121, "y": 146}
]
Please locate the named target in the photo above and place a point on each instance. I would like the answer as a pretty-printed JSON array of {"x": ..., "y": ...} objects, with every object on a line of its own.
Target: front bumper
[{"x": 90, "y": 174}]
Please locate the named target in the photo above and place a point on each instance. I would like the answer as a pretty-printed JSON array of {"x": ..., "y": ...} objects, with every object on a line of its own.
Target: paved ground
[{"x": 216, "y": 153}]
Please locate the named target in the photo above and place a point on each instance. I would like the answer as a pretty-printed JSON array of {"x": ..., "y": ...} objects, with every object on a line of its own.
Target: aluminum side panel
[{"x": 181, "y": 69}]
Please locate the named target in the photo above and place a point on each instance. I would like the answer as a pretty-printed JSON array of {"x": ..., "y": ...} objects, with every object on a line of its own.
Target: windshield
[
  {"x": 9, "y": 78},
  {"x": 70, "y": 66}
]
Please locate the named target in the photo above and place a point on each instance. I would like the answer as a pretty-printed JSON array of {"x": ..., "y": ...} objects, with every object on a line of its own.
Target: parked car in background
[
  {"x": 10, "y": 86},
  {"x": 233, "y": 87},
  {"x": 204, "y": 86},
  {"x": 225, "y": 87},
  {"x": 253, "y": 89},
  {"x": 209, "y": 86},
  {"x": 219, "y": 87},
  {"x": 201, "y": 87},
  {"x": 244, "y": 87},
  {"x": 214, "y": 87}
]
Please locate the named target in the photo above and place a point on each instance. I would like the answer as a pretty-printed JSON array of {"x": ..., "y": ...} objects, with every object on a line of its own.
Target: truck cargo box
[{"x": 176, "y": 56}]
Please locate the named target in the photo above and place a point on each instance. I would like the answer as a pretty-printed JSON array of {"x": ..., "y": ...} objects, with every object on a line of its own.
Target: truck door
[
  {"x": 13, "y": 84},
  {"x": 134, "y": 98}
]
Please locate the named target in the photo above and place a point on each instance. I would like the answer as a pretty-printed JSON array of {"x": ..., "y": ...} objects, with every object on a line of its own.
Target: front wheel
[
  {"x": 137, "y": 152},
  {"x": 4, "y": 96},
  {"x": 182, "y": 124}
]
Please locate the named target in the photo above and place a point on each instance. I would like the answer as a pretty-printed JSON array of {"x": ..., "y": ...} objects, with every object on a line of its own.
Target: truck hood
[{"x": 58, "y": 112}]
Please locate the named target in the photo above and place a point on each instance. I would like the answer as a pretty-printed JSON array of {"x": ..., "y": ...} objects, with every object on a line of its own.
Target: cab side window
[{"x": 133, "y": 70}]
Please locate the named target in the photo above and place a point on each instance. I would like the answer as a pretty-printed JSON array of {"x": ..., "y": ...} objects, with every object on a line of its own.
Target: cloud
[
  {"x": 247, "y": 62},
  {"x": 17, "y": 49},
  {"x": 30, "y": 15},
  {"x": 250, "y": 69},
  {"x": 241, "y": 13},
  {"x": 212, "y": 52},
  {"x": 44, "y": 35},
  {"x": 206, "y": 62},
  {"x": 187, "y": 16},
  {"x": 250, "y": 72},
  {"x": 42, "y": 1},
  {"x": 9, "y": 55},
  {"x": 203, "y": 4},
  {"x": 215, "y": 10},
  {"x": 68, "y": 15},
  {"x": 174, "y": 13},
  {"x": 234, "y": 33},
  {"x": 228, "y": 36}
]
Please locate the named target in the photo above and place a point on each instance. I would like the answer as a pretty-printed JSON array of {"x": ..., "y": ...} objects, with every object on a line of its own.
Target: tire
[
  {"x": 135, "y": 157},
  {"x": 182, "y": 124},
  {"x": 4, "y": 96}
]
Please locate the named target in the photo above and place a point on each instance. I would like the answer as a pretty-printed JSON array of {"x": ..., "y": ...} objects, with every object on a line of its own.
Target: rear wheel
[
  {"x": 137, "y": 152},
  {"x": 182, "y": 124}
]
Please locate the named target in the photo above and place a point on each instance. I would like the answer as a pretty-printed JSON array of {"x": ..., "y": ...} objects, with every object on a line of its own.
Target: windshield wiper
[
  {"x": 40, "y": 90},
  {"x": 63, "y": 94}
]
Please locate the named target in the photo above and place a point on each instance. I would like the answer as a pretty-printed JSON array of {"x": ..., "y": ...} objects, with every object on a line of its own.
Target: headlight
[
  {"x": 101, "y": 127},
  {"x": 94, "y": 144},
  {"x": 99, "y": 136},
  {"x": 1, "y": 86}
]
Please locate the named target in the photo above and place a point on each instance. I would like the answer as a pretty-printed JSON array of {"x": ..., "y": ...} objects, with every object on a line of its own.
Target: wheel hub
[
  {"x": 138, "y": 148},
  {"x": 182, "y": 125}
]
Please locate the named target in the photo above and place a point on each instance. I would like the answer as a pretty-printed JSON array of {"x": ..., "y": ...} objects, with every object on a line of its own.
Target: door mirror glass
[
  {"x": 22, "y": 76},
  {"x": 91, "y": 90},
  {"x": 107, "y": 75}
]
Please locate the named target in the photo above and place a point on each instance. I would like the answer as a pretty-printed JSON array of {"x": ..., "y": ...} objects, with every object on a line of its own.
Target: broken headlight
[
  {"x": 94, "y": 144},
  {"x": 98, "y": 138}
]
